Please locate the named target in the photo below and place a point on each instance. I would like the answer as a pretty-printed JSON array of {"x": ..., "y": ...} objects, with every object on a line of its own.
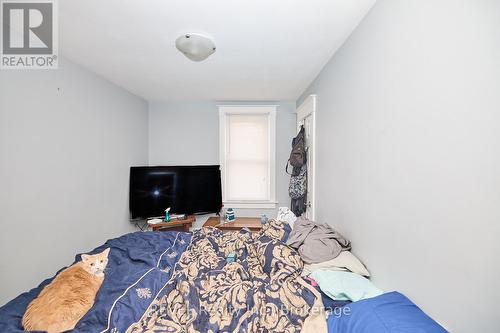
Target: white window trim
[{"x": 240, "y": 109}]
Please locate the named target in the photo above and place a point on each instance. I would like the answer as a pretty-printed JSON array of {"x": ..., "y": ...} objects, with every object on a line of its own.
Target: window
[{"x": 247, "y": 155}]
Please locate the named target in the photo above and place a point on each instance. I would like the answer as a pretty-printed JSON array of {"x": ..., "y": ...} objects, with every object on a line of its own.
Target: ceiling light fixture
[{"x": 196, "y": 47}]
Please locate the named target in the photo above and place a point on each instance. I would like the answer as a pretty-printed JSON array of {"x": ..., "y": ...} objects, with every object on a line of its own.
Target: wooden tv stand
[
  {"x": 252, "y": 223},
  {"x": 177, "y": 225}
]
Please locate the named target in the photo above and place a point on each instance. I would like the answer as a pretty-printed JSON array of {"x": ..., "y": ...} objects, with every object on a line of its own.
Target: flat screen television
[{"x": 186, "y": 189}]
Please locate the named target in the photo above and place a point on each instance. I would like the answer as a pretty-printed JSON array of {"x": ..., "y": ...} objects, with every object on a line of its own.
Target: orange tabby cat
[{"x": 64, "y": 301}]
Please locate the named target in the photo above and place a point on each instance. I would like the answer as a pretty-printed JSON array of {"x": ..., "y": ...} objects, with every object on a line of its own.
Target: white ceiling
[{"x": 266, "y": 49}]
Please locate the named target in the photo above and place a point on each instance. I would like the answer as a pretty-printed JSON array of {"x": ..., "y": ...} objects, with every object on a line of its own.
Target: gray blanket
[{"x": 316, "y": 242}]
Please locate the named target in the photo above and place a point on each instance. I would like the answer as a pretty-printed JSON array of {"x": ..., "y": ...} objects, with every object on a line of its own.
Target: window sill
[{"x": 250, "y": 204}]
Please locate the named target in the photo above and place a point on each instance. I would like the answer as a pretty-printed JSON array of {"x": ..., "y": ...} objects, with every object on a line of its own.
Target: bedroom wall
[
  {"x": 408, "y": 153},
  {"x": 187, "y": 133},
  {"x": 67, "y": 140}
]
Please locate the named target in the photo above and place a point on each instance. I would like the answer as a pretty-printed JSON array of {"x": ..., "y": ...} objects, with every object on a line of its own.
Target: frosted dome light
[{"x": 195, "y": 46}]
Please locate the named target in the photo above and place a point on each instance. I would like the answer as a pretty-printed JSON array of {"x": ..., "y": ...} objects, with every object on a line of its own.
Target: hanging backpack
[{"x": 298, "y": 155}]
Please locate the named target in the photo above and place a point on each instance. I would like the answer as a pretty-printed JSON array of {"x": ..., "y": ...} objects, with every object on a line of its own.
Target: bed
[
  {"x": 186, "y": 282},
  {"x": 183, "y": 282}
]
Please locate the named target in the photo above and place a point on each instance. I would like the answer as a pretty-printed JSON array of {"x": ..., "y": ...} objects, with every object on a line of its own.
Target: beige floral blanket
[{"x": 261, "y": 291}]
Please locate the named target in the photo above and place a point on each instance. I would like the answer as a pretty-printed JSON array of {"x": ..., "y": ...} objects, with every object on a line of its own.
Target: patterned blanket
[{"x": 259, "y": 292}]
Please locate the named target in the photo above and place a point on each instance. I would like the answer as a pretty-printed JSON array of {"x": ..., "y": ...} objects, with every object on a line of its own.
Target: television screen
[{"x": 186, "y": 189}]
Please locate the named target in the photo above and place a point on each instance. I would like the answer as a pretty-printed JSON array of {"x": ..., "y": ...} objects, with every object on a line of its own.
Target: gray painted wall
[
  {"x": 187, "y": 133},
  {"x": 409, "y": 153},
  {"x": 67, "y": 140}
]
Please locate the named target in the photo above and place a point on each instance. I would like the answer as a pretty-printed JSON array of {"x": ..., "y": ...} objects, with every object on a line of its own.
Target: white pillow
[
  {"x": 345, "y": 261},
  {"x": 286, "y": 215}
]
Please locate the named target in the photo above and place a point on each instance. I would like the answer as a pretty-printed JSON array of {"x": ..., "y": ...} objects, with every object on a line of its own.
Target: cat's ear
[
  {"x": 85, "y": 257},
  {"x": 106, "y": 252}
]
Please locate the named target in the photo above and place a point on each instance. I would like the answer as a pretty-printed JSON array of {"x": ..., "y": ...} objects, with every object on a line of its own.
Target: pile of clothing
[
  {"x": 316, "y": 242},
  {"x": 352, "y": 303},
  {"x": 329, "y": 265}
]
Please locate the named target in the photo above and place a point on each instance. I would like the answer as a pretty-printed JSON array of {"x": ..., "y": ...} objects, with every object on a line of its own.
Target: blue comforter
[
  {"x": 388, "y": 313},
  {"x": 139, "y": 265}
]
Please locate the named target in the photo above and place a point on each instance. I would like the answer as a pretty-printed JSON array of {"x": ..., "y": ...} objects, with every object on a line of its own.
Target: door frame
[{"x": 308, "y": 108}]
